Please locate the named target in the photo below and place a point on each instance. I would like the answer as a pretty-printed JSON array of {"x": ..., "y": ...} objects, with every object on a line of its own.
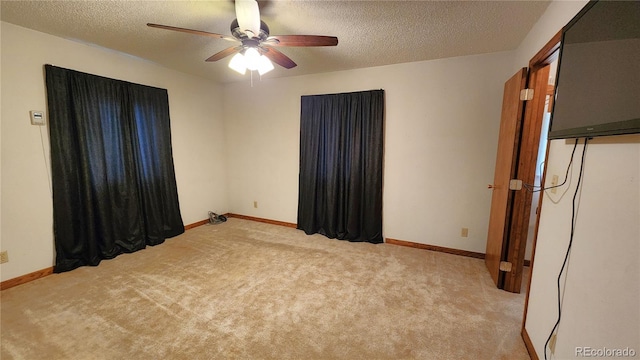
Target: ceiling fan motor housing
[{"x": 241, "y": 35}]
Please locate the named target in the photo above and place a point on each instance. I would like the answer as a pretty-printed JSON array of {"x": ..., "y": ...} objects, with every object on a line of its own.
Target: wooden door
[
  {"x": 526, "y": 172},
  {"x": 506, "y": 164}
]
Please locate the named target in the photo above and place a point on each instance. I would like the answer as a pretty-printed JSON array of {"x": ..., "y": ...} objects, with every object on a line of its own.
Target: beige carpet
[{"x": 248, "y": 290}]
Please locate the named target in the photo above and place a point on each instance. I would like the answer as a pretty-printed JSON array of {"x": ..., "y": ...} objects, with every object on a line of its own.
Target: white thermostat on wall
[{"x": 37, "y": 117}]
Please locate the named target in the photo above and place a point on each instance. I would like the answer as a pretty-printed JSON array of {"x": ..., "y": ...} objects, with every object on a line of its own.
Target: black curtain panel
[
  {"x": 114, "y": 187},
  {"x": 341, "y": 149}
]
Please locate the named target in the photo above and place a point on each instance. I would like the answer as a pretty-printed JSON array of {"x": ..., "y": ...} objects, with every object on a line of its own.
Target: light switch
[{"x": 37, "y": 117}]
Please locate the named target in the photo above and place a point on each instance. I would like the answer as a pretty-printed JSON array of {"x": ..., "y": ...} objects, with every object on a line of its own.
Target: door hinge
[
  {"x": 515, "y": 184},
  {"x": 526, "y": 94},
  {"x": 505, "y": 266}
]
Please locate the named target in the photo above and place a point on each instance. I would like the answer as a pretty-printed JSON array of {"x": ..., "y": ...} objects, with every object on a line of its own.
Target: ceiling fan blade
[
  {"x": 278, "y": 57},
  {"x": 191, "y": 31},
  {"x": 303, "y": 40},
  {"x": 248, "y": 15},
  {"x": 224, "y": 53}
]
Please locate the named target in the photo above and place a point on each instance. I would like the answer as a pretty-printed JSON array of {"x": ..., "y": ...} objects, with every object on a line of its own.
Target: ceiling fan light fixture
[
  {"x": 252, "y": 58},
  {"x": 264, "y": 65},
  {"x": 238, "y": 63}
]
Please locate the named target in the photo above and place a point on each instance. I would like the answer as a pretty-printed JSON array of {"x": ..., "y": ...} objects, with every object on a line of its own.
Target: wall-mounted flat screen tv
[{"x": 598, "y": 78}]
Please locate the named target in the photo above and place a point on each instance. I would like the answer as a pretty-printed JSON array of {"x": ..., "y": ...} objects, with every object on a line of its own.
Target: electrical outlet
[
  {"x": 37, "y": 117},
  {"x": 255, "y": 204},
  {"x": 552, "y": 343},
  {"x": 464, "y": 232},
  {"x": 4, "y": 257},
  {"x": 554, "y": 182}
]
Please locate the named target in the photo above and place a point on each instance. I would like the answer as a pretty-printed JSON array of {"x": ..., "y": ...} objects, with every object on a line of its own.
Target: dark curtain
[
  {"x": 114, "y": 187},
  {"x": 341, "y": 149}
]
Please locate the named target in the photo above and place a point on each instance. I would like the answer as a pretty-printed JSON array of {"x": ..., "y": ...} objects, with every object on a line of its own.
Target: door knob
[{"x": 490, "y": 186}]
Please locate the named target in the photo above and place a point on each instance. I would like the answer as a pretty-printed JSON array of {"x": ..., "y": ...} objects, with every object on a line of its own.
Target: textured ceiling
[{"x": 370, "y": 33}]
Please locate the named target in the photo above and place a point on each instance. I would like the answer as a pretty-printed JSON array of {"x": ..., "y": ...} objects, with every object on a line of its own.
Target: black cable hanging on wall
[{"x": 566, "y": 256}]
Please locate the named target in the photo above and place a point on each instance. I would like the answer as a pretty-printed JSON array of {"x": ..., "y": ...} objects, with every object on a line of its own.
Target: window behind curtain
[
  {"x": 113, "y": 177},
  {"x": 341, "y": 149}
]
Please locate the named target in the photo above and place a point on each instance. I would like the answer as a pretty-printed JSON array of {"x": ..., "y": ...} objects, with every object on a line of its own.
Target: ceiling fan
[{"x": 256, "y": 45}]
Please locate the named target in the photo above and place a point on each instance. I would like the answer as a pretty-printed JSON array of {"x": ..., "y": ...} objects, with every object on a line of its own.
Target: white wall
[
  {"x": 602, "y": 287},
  {"x": 601, "y": 291},
  {"x": 442, "y": 121},
  {"x": 196, "y": 126}
]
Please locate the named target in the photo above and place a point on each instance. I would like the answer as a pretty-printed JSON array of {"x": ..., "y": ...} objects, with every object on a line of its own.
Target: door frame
[{"x": 547, "y": 55}]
